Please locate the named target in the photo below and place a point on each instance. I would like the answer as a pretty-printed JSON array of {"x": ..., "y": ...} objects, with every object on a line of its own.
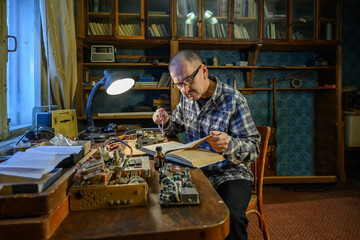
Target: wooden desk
[{"x": 209, "y": 220}]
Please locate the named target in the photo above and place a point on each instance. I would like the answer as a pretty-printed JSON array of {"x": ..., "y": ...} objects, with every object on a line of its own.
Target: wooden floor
[{"x": 304, "y": 192}]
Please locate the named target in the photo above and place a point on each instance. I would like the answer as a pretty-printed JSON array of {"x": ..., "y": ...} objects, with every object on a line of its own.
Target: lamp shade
[{"x": 116, "y": 83}]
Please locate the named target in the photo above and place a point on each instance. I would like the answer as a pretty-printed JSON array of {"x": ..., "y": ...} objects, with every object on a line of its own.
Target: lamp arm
[{"x": 90, "y": 103}]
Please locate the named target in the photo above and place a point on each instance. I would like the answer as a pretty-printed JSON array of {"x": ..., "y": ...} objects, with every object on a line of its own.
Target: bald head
[{"x": 185, "y": 56}]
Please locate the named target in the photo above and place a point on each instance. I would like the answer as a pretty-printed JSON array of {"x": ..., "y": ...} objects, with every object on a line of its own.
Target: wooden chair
[{"x": 256, "y": 201}]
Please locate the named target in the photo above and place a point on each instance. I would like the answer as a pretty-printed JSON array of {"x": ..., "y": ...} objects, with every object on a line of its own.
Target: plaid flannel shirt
[{"x": 226, "y": 111}]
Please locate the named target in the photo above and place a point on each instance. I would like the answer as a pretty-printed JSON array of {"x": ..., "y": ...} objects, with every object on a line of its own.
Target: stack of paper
[{"x": 37, "y": 161}]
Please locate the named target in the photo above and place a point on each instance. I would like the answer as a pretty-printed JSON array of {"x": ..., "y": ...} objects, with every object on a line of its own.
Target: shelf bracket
[{"x": 252, "y": 57}]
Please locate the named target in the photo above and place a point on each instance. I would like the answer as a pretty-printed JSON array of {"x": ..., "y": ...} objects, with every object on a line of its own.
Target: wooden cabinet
[
  {"x": 159, "y": 29},
  {"x": 245, "y": 20},
  {"x": 302, "y": 25},
  {"x": 275, "y": 19}
]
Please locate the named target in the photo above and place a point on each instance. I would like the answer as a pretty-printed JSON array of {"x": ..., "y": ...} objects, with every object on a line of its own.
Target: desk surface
[{"x": 208, "y": 220}]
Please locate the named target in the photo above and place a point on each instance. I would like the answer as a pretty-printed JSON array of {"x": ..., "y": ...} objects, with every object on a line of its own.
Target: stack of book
[
  {"x": 240, "y": 31},
  {"x": 164, "y": 80},
  {"x": 218, "y": 30},
  {"x": 158, "y": 30},
  {"x": 247, "y": 8},
  {"x": 146, "y": 80},
  {"x": 129, "y": 30},
  {"x": 96, "y": 28}
]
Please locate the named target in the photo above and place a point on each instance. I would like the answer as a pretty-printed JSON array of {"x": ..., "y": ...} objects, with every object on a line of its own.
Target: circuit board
[
  {"x": 114, "y": 183},
  {"x": 177, "y": 187}
]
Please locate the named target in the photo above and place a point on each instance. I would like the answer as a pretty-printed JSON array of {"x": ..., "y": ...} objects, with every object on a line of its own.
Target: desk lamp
[{"x": 115, "y": 84}]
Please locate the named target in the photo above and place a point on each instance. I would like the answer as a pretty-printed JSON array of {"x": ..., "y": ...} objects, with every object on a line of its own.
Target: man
[{"x": 210, "y": 107}]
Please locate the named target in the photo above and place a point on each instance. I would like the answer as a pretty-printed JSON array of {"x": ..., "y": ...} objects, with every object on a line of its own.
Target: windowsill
[{"x": 7, "y": 146}]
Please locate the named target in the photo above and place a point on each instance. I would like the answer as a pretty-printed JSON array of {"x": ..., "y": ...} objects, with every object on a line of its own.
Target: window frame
[{"x": 5, "y": 132}]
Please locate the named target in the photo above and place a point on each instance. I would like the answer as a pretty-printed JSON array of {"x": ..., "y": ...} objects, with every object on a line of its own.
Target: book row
[
  {"x": 158, "y": 30},
  {"x": 245, "y": 8},
  {"x": 96, "y": 28}
]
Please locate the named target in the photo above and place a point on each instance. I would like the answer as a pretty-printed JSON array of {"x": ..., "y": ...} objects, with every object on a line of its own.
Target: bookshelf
[
  {"x": 159, "y": 19},
  {"x": 252, "y": 27},
  {"x": 303, "y": 20}
]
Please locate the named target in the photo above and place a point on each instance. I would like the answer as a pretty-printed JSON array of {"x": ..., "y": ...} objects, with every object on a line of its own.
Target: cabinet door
[
  {"x": 187, "y": 18},
  {"x": 245, "y": 19},
  {"x": 99, "y": 14},
  {"x": 130, "y": 19},
  {"x": 275, "y": 19},
  {"x": 216, "y": 18},
  {"x": 329, "y": 20},
  {"x": 303, "y": 16},
  {"x": 159, "y": 18}
]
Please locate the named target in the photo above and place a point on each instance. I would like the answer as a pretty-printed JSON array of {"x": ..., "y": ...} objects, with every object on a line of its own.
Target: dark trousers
[{"x": 236, "y": 195}]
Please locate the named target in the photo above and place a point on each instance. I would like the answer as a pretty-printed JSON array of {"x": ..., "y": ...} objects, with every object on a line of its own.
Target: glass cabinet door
[
  {"x": 159, "y": 18},
  {"x": 245, "y": 19},
  {"x": 187, "y": 18},
  {"x": 216, "y": 18},
  {"x": 329, "y": 18},
  {"x": 129, "y": 19},
  {"x": 303, "y": 15},
  {"x": 275, "y": 19},
  {"x": 99, "y": 17}
]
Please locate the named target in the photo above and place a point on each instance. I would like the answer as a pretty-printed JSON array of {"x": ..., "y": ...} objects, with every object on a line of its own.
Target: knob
[{"x": 79, "y": 194}]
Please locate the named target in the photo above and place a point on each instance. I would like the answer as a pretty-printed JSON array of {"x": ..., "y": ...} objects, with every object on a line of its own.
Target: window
[{"x": 23, "y": 68}]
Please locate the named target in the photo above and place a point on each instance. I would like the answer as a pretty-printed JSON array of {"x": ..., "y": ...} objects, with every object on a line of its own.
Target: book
[
  {"x": 121, "y": 31},
  {"x": 186, "y": 154},
  {"x": 166, "y": 34},
  {"x": 146, "y": 78},
  {"x": 13, "y": 184},
  {"x": 160, "y": 30},
  {"x": 155, "y": 30},
  {"x": 91, "y": 26}
]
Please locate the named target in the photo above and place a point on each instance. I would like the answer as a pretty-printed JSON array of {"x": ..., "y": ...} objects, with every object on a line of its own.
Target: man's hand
[
  {"x": 160, "y": 116},
  {"x": 219, "y": 141}
]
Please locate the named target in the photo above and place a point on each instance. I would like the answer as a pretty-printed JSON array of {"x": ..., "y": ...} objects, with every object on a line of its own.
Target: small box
[
  {"x": 241, "y": 63},
  {"x": 43, "y": 118},
  {"x": 352, "y": 129}
]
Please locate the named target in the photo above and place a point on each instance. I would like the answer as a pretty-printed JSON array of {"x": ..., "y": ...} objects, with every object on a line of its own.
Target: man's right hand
[{"x": 160, "y": 116}]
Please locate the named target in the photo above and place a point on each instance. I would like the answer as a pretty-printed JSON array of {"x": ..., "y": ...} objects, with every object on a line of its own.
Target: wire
[
  {"x": 37, "y": 126},
  {"x": 113, "y": 140},
  {"x": 139, "y": 179},
  {"x": 176, "y": 187}
]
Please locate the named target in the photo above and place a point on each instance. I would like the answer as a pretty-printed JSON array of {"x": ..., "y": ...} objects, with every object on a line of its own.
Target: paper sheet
[{"x": 37, "y": 161}]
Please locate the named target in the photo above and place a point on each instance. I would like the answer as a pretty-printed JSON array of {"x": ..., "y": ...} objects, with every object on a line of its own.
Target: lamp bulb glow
[{"x": 120, "y": 86}]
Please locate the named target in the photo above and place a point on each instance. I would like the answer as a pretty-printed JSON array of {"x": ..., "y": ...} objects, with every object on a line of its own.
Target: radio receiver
[{"x": 102, "y": 53}]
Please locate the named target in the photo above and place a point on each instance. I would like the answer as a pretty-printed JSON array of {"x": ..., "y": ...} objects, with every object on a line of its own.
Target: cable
[
  {"x": 176, "y": 187},
  {"x": 37, "y": 126},
  {"x": 113, "y": 140}
]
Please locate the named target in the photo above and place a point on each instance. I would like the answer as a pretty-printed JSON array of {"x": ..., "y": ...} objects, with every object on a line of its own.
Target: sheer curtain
[{"x": 57, "y": 18}]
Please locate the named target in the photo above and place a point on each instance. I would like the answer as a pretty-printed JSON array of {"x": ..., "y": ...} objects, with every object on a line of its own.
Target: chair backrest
[{"x": 259, "y": 165}]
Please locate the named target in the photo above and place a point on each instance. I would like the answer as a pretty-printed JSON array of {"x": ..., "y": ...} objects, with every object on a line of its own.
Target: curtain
[{"x": 58, "y": 25}]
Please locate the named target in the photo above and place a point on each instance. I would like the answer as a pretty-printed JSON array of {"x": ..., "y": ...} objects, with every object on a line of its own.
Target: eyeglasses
[{"x": 188, "y": 81}]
